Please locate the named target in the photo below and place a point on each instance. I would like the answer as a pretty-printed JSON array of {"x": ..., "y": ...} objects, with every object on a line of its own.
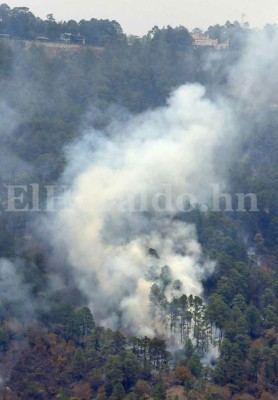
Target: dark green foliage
[
  {"x": 4, "y": 340},
  {"x": 118, "y": 392},
  {"x": 113, "y": 372},
  {"x": 159, "y": 391},
  {"x": 78, "y": 365}
]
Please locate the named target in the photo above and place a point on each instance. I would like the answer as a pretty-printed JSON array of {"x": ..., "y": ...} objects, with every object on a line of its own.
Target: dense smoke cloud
[
  {"x": 179, "y": 146},
  {"x": 120, "y": 176},
  {"x": 113, "y": 219}
]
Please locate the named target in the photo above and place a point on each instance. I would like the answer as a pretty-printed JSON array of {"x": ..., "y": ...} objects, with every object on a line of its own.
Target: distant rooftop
[{"x": 206, "y": 41}]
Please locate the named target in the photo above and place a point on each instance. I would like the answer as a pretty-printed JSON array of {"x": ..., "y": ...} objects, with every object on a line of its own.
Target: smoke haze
[
  {"x": 119, "y": 174},
  {"x": 105, "y": 236},
  {"x": 178, "y": 146}
]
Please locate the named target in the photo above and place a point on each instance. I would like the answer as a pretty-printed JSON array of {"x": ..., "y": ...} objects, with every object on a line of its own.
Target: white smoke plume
[
  {"x": 121, "y": 176},
  {"x": 169, "y": 149}
]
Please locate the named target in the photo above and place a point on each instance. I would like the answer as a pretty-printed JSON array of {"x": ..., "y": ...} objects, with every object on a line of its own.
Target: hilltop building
[
  {"x": 206, "y": 41},
  {"x": 42, "y": 39},
  {"x": 70, "y": 38}
]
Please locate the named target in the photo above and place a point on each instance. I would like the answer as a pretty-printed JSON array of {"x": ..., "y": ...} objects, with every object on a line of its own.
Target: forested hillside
[{"x": 213, "y": 334}]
